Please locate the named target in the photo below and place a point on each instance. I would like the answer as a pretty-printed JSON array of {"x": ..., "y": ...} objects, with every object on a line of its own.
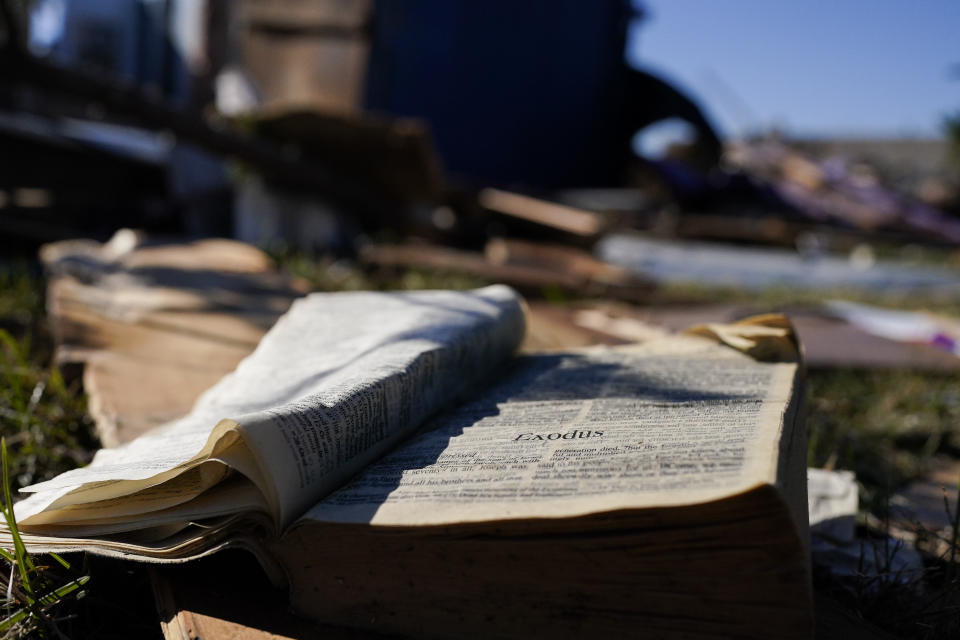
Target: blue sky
[{"x": 846, "y": 67}]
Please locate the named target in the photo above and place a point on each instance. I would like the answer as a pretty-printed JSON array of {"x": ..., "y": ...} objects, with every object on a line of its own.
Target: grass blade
[
  {"x": 60, "y": 593},
  {"x": 63, "y": 563},
  {"x": 17, "y": 616},
  {"x": 23, "y": 560}
]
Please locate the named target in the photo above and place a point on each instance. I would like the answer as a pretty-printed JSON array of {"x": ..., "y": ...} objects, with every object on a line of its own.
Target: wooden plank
[
  {"x": 470, "y": 263},
  {"x": 351, "y": 14},
  {"x": 152, "y": 325},
  {"x": 525, "y": 265},
  {"x": 306, "y": 51},
  {"x": 227, "y": 597},
  {"x": 578, "y": 222},
  {"x": 579, "y": 265},
  {"x": 128, "y": 396}
]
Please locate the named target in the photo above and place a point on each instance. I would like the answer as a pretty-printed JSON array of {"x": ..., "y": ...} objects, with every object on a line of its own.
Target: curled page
[
  {"x": 769, "y": 337},
  {"x": 338, "y": 380}
]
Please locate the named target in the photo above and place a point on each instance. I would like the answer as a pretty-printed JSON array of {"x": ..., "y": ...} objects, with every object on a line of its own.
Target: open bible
[{"x": 391, "y": 459}]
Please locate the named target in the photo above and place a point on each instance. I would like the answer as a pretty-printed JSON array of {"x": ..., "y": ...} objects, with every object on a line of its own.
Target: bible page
[
  {"x": 672, "y": 422},
  {"x": 339, "y": 378}
]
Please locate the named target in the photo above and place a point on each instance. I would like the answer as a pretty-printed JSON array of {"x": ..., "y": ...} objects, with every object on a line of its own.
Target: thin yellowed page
[
  {"x": 176, "y": 491},
  {"x": 148, "y": 461},
  {"x": 228, "y": 498},
  {"x": 378, "y": 392},
  {"x": 337, "y": 381},
  {"x": 173, "y": 542},
  {"x": 674, "y": 422},
  {"x": 769, "y": 337}
]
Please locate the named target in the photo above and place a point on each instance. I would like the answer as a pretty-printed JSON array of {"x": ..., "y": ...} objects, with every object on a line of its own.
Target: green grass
[
  {"x": 45, "y": 430},
  {"x": 884, "y": 425},
  {"x": 33, "y": 590},
  {"x": 42, "y": 417}
]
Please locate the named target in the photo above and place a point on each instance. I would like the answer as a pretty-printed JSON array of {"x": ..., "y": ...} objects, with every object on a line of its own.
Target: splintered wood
[{"x": 154, "y": 325}]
